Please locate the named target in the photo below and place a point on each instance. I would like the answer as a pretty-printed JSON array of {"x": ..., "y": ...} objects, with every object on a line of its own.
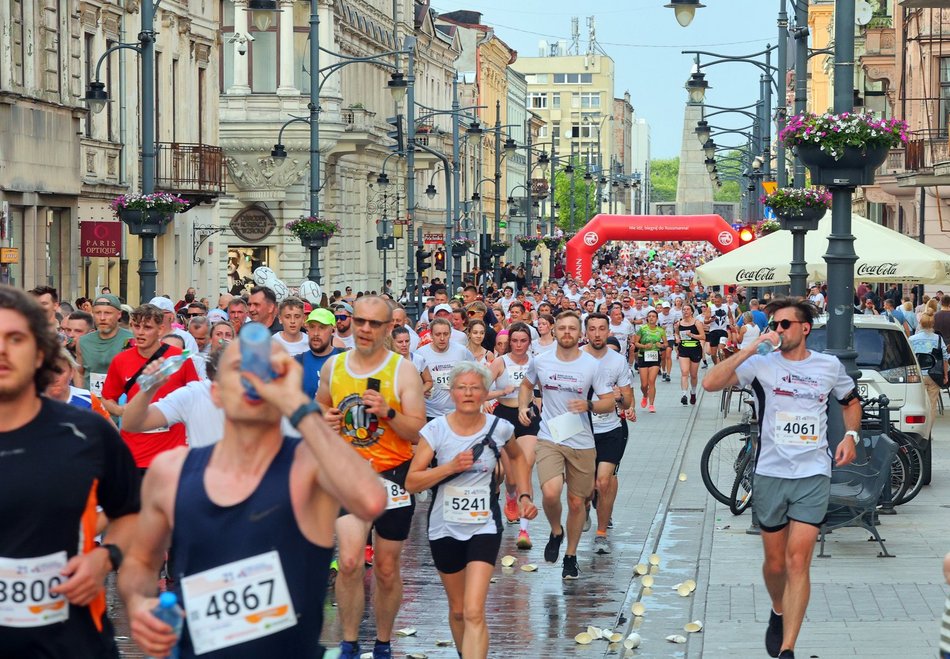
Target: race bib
[
  {"x": 466, "y": 505},
  {"x": 396, "y": 495},
  {"x": 796, "y": 429},
  {"x": 25, "y": 585},
  {"x": 517, "y": 376},
  {"x": 440, "y": 380},
  {"x": 237, "y": 602},
  {"x": 651, "y": 356},
  {"x": 96, "y": 381},
  {"x": 685, "y": 335}
]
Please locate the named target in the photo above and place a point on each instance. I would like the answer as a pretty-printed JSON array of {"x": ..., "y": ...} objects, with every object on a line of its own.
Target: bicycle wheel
[
  {"x": 741, "y": 495},
  {"x": 900, "y": 477},
  {"x": 720, "y": 460},
  {"x": 915, "y": 474}
]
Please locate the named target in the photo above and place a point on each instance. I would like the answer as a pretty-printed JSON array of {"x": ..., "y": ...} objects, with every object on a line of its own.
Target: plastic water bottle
[
  {"x": 766, "y": 347},
  {"x": 171, "y": 614},
  {"x": 255, "y": 340},
  {"x": 168, "y": 367}
]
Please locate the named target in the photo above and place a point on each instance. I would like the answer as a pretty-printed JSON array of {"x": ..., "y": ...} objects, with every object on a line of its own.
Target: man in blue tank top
[{"x": 250, "y": 522}]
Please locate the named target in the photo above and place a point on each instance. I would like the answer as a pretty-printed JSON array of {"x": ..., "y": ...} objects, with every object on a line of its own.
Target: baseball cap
[
  {"x": 216, "y": 315},
  {"x": 341, "y": 305},
  {"x": 322, "y": 316},
  {"x": 109, "y": 300},
  {"x": 666, "y": 305},
  {"x": 163, "y": 303},
  {"x": 441, "y": 307}
]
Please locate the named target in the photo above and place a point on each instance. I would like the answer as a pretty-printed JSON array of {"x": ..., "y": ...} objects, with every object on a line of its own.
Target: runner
[
  {"x": 476, "y": 335},
  {"x": 237, "y": 313},
  {"x": 58, "y": 463},
  {"x": 464, "y": 524},
  {"x": 320, "y": 326},
  {"x": 508, "y": 372},
  {"x": 291, "y": 315},
  {"x": 373, "y": 397},
  {"x": 650, "y": 341},
  {"x": 667, "y": 319},
  {"x": 250, "y": 524},
  {"x": 720, "y": 322},
  {"x": 439, "y": 357},
  {"x": 97, "y": 349},
  {"x": 610, "y": 429},
  {"x": 545, "y": 341},
  {"x": 689, "y": 337},
  {"x": 565, "y": 450},
  {"x": 262, "y": 308}
]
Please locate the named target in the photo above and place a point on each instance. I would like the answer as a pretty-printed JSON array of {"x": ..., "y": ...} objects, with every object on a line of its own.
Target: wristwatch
[
  {"x": 115, "y": 556},
  {"x": 391, "y": 414},
  {"x": 590, "y": 405},
  {"x": 305, "y": 409},
  {"x": 854, "y": 435}
]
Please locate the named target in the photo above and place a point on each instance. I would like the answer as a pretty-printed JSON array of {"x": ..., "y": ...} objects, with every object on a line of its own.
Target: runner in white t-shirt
[
  {"x": 565, "y": 450},
  {"x": 667, "y": 319},
  {"x": 292, "y": 318},
  {"x": 792, "y": 387},
  {"x": 439, "y": 357}
]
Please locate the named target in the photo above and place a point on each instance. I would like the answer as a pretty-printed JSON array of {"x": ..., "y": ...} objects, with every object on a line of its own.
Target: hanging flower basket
[
  {"x": 843, "y": 150},
  {"x": 499, "y": 248},
  {"x": 461, "y": 245},
  {"x": 529, "y": 243},
  {"x": 313, "y": 232},
  {"x": 765, "y": 227},
  {"x": 148, "y": 214},
  {"x": 551, "y": 242},
  {"x": 799, "y": 209}
]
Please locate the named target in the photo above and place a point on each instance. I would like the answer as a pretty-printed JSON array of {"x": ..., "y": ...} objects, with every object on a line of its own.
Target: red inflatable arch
[{"x": 602, "y": 228}]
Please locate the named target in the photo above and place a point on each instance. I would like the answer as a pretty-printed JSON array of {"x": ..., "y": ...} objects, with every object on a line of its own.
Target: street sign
[
  {"x": 433, "y": 238},
  {"x": 769, "y": 186},
  {"x": 769, "y": 213},
  {"x": 385, "y": 243}
]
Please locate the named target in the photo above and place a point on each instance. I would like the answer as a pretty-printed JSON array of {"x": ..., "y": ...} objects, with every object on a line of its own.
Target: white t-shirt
[
  {"x": 475, "y": 482},
  {"x": 192, "y": 406},
  {"x": 720, "y": 318},
  {"x": 348, "y": 341},
  {"x": 413, "y": 339},
  {"x": 538, "y": 348},
  {"x": 561, "y": 382},
  {"x": 794, "y": 441},
  {"x": 440, "y": 364},
  {"x": 616, "y": 373},
  {"x": 668, "y": 320},
  {"x": 513, "y": 375},
  {"x": 622, "y": 332},
  {"x": 295, "y": 348},
  {"x": 751, "y": 334},
  {"x": 459, "y": 337}
]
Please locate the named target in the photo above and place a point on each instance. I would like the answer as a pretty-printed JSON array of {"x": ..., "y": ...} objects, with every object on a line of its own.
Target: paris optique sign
[{"x": 100, "y": 239}]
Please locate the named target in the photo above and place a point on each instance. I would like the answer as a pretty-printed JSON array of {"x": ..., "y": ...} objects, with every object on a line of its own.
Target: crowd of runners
[{"x": 244, "y": 495}]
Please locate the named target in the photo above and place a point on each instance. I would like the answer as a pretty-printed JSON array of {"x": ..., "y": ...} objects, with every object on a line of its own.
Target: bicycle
[
  {"x": 723, "y": 455},
  {"x": 907, "y": 476}
]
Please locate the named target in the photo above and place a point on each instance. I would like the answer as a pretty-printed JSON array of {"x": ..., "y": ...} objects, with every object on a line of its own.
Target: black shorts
[
  {"x": 693, "y": 353},
  {"x": 510, "y": 414},
  {"x": 394, "y": 524},
  {"x": 452, "y": 556},
  {"x": 715, "y": 336},
  {"x": 611, "y": 445}
]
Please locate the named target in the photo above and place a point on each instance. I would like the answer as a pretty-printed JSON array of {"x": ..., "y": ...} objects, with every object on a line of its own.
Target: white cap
[
  {"x": 666, "y": 305},
  {"x": 163, "y": 303},
  {"x": 441, "y": 307}
]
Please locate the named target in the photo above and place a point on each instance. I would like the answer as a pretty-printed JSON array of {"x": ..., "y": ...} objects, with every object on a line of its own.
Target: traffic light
[
  {"x": 396, "y": 134},
  {"x": 440, "y": 260},
  {"x": 422, "y": 264},
  {"x": 746, "y": 234}
]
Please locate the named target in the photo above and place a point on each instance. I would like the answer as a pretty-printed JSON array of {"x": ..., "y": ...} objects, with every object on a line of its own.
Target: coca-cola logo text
[
  {"x": 877, "y": 270},
  {"x": 762, "y": 274}
]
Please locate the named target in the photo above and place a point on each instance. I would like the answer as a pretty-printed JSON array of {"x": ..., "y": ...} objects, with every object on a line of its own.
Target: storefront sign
[
  {"x": 433, "y": 238},
  {"x": 100, "y": 239},
  {"x": 253, "y": 224},
  {"x": 9, "y": 255}
]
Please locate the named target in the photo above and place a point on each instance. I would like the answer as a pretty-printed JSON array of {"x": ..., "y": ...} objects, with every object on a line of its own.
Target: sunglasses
[
  {"x": 375, "y": 324},
  {"x": 784, "y": 324},
  {"x": 195, "y": 315},
  {"x": 341, "y": 317}
]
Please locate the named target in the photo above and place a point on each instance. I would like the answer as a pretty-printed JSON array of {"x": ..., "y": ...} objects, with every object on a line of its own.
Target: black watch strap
[
  {"x": 302, "y": 411},
  {"x": 391, "y": 414},
  {"x": 115, "y": 556}
]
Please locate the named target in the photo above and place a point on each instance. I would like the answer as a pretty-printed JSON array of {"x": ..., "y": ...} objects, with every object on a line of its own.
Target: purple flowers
[
  {"x": 164, "y": 202},
  {"x": 834, "y": 132},
  {"x": 308, "y": 226},
  {"x": 792, "y": 201}
]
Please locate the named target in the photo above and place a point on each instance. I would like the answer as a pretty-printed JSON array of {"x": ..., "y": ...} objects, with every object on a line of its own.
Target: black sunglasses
[
  {"x": 375, "y": 324},
  {"x": 341, "y": 317},
  {"x": 784, "y": 324}
]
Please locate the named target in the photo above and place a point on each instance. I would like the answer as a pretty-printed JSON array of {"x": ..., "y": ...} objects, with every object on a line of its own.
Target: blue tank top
[{"x": 207, "y": 535}]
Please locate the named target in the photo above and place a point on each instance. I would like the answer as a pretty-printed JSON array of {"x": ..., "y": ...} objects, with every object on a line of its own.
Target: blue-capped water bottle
[
  {"x": 255, "y": 341},
  {"x": 171, "y": 614},
  {"x": 766, "y": 347},
  {"x": 168, "y": 367}
]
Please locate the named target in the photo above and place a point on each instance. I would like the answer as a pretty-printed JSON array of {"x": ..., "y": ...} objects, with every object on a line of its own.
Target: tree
[
  {"x": 583, "y": 190},
  {"x": 729, "y": 165},
  {"x": 664, "y": 175}
]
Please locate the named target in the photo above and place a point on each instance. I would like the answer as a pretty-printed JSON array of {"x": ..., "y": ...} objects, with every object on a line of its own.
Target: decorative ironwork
[{"x": 190, "y": 169}]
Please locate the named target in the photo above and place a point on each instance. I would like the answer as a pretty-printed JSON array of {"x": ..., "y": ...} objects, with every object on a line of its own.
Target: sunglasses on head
[{"x": 784, "y": 324}]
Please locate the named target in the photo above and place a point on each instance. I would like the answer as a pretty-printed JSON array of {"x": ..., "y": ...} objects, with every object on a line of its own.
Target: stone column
[
  {"x": 286, "y": 55},
  {"x": 694, "y": 191},
  {"x": 241, "y": 85}
]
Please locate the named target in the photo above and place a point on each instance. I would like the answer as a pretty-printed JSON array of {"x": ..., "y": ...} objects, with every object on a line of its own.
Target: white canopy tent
[{"x": 884, "y": 255}]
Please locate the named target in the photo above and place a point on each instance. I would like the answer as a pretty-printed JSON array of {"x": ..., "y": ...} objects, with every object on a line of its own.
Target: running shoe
[
  {"x": 553, "y": 548},
  {"x": 683, "y": 399},
  {"x": 652, "y": 409},
  {"x": 349, "y": 650},
  {"x": 524, "y": 540},
  {"x": 512, "y": 514},
  {"x": 692, "y": 398},
  {"x": 382, "y": 651},
  {"x": 773, "y": 635},
  {"x": 368, "y": 554},
  {"x": 705, "y": 364},
  {"x": 787, "y": 654},
  {"x": 610, "y": 523},
  {"x": 569, "y": 569},
  {"x": 643, "y": 402},
  {"x": 601, "y": 546},
  {"x": 666, "y": 376}
]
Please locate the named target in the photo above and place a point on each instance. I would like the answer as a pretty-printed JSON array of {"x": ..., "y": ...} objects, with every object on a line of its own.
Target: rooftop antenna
[{"x": 575, "y": 36}]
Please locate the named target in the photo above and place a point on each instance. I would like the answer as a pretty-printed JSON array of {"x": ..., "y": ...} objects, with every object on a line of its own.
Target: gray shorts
[{"x": 778, "y": 500}]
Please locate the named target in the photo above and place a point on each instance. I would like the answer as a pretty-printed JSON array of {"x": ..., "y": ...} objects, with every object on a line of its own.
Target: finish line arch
[{"x": 603, "y": 228}]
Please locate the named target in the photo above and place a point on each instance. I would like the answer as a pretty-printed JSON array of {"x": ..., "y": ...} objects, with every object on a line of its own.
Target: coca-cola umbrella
[{"x": 884, "y": 255}]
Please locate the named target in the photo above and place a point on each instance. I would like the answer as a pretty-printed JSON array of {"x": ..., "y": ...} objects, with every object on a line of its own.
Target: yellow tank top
[{"x": 369, "y": 435}]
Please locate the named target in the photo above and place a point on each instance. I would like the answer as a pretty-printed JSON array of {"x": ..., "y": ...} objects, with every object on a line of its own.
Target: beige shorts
[{"x": 575, "y": 465}]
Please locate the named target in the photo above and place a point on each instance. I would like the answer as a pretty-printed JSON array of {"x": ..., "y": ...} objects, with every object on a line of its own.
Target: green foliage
[
  {"x": 585, "y": 198},
  {"x": 664, "y": 175},
  {"x": 729, "y": 192}
]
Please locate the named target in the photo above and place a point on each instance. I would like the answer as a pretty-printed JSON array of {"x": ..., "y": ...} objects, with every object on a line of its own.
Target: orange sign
[
  {"x": 9, "y": 255},
  {"x": 769, "y": 186}
]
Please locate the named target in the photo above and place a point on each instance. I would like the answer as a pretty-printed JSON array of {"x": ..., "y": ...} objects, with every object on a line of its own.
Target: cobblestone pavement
[{"x": 861, "y": 605}]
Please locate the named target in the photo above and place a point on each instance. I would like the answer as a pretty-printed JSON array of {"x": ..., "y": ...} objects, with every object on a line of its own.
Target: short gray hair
[
  {"x": 464, "y": 368},
  {"x": 197, "y": 322}
]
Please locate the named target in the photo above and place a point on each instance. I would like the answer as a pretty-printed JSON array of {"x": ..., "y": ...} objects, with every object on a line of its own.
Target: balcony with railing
[
  {"x": 924, "y": 149},
  {"x": 195, "y": 171}
]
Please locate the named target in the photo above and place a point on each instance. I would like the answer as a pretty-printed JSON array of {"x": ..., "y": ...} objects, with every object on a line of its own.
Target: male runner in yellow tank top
[{"x": 374, "y": 398}]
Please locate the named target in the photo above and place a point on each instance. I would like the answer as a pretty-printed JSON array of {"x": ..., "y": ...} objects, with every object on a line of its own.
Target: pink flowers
[
  {"x": 835, "y": 132},
  {"x": 792, "y": 201},
  {"x": 165, "y": 202},
  {"x": 308, "y": 226}
]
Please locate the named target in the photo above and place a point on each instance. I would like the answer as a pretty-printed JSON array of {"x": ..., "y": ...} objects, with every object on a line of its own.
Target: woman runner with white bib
[{"x": 464, "y": 518}]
